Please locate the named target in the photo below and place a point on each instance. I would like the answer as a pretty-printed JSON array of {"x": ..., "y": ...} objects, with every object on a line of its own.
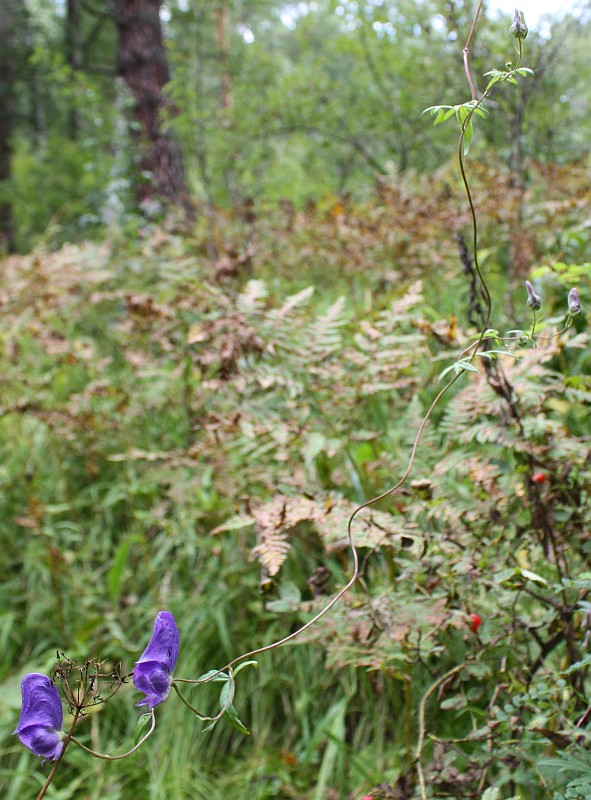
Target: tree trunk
[
  {"x": 143, "y": 66},
  {"x": 74, "y": 54},
  {"x": 6, "y": 118},
  {"x": 222, "y": 22}
]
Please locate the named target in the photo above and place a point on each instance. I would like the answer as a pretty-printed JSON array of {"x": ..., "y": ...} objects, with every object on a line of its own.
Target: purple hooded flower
[
  {"x": 533, "y": 300},
  {"x": 574, "y": 302},
  {"x": 40, "y": 725},
  {"x": 153, "y": 672}
]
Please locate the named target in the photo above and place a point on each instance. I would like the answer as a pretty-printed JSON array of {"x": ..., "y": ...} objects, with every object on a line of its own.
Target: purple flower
[
  {"x": 40, "y": 725},
  {"x": 533, "y": 300},
  {"x": 574, "y": 302},
  {"x": 153, "y": 672}
]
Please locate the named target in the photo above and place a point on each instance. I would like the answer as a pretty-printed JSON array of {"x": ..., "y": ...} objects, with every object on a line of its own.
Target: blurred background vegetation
[
  {"x": 234, "y": 267},
  {"x": 270, "y": 103}
]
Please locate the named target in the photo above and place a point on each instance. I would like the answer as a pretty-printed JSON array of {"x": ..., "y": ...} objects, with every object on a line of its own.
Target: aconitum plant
[{"x": 81, "y": 686}]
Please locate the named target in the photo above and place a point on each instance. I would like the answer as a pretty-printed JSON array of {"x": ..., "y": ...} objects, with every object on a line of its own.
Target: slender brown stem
[
  {"x": 485, "y": 289},
  {"x": 67, "y": 741},
  {"x": 466, "y": 52}
]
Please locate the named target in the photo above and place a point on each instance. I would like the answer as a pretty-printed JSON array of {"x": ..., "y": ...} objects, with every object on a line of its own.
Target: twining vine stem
[
  {"x": 123, "y": 755},
  {"x": 474, "y": 348}
]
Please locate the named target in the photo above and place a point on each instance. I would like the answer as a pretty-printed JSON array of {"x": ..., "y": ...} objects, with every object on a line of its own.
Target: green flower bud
[{"x": 519, "y": 29}]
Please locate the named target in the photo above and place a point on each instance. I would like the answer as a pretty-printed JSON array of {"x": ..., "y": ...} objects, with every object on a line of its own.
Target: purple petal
[
  {"x": 40, "y": 723},
  {"x": 42, "y": 741},
  {"x": 149, "y": 677},
  {"x": 164, "y": 644},
  {"x": 153, "y": 671}
]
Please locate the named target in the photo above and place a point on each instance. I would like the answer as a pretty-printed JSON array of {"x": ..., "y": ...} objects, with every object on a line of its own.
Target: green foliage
[
  {"x": 133, "y": 399},
  {"x": 58, "y": 191},
  {"x": 293, "y": 103}
]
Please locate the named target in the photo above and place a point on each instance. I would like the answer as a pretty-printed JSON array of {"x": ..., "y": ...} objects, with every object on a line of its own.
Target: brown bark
[
  {"x": 143, "y": 65},
  {"x": 222, "y": 22},
  {"x": 6, "y": 117}
]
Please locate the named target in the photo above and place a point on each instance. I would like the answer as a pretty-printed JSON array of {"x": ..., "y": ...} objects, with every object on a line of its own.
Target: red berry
[
  {"x": 476, "y": 622},
  {"x": 539, "y": 477}
]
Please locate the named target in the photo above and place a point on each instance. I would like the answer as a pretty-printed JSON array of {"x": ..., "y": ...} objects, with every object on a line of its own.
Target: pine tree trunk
[
  {"x": 6, "y": 118},
  {"x": 143, "y": 65}
]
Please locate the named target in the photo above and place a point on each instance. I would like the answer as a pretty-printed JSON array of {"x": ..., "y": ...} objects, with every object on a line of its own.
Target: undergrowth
[{"x": 195, "y": 436}]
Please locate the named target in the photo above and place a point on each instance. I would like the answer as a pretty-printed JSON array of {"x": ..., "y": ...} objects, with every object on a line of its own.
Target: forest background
[{"x": 236, "y": 258}]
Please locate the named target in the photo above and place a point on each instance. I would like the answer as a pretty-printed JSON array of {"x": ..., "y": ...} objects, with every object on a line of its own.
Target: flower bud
[
  {"x": 574, "y": 302},
  {"x": 519, "y": 29},
  {"x": 533, "y": 300}
]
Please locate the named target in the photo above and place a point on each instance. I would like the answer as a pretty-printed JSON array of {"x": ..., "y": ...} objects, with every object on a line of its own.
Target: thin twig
[{"x": 67, "y": 741}]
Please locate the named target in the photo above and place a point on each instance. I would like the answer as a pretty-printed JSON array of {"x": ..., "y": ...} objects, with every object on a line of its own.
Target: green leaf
[
  {"x": 244, "y": 664},
  {"x": 441, "y": 113},
  {"x": 141, "y": 727},
  {"x": 459, "y": 366},
  {"x": 231, "y": 716},
  {"x": 444, "y": 116},
  {"x": 492, "y": 354},
  {"x": 462, "y": 113},
  {"x": 468, "y": 133},
  {"x": 207, "y": 676},
  {"x": 533, "y": 576},
  {"x": 446, "y": 371},
  {"x": 227, "y": 693},
  {"x": 492, "y": 81},
  {"x": 466, "y": 365}
]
